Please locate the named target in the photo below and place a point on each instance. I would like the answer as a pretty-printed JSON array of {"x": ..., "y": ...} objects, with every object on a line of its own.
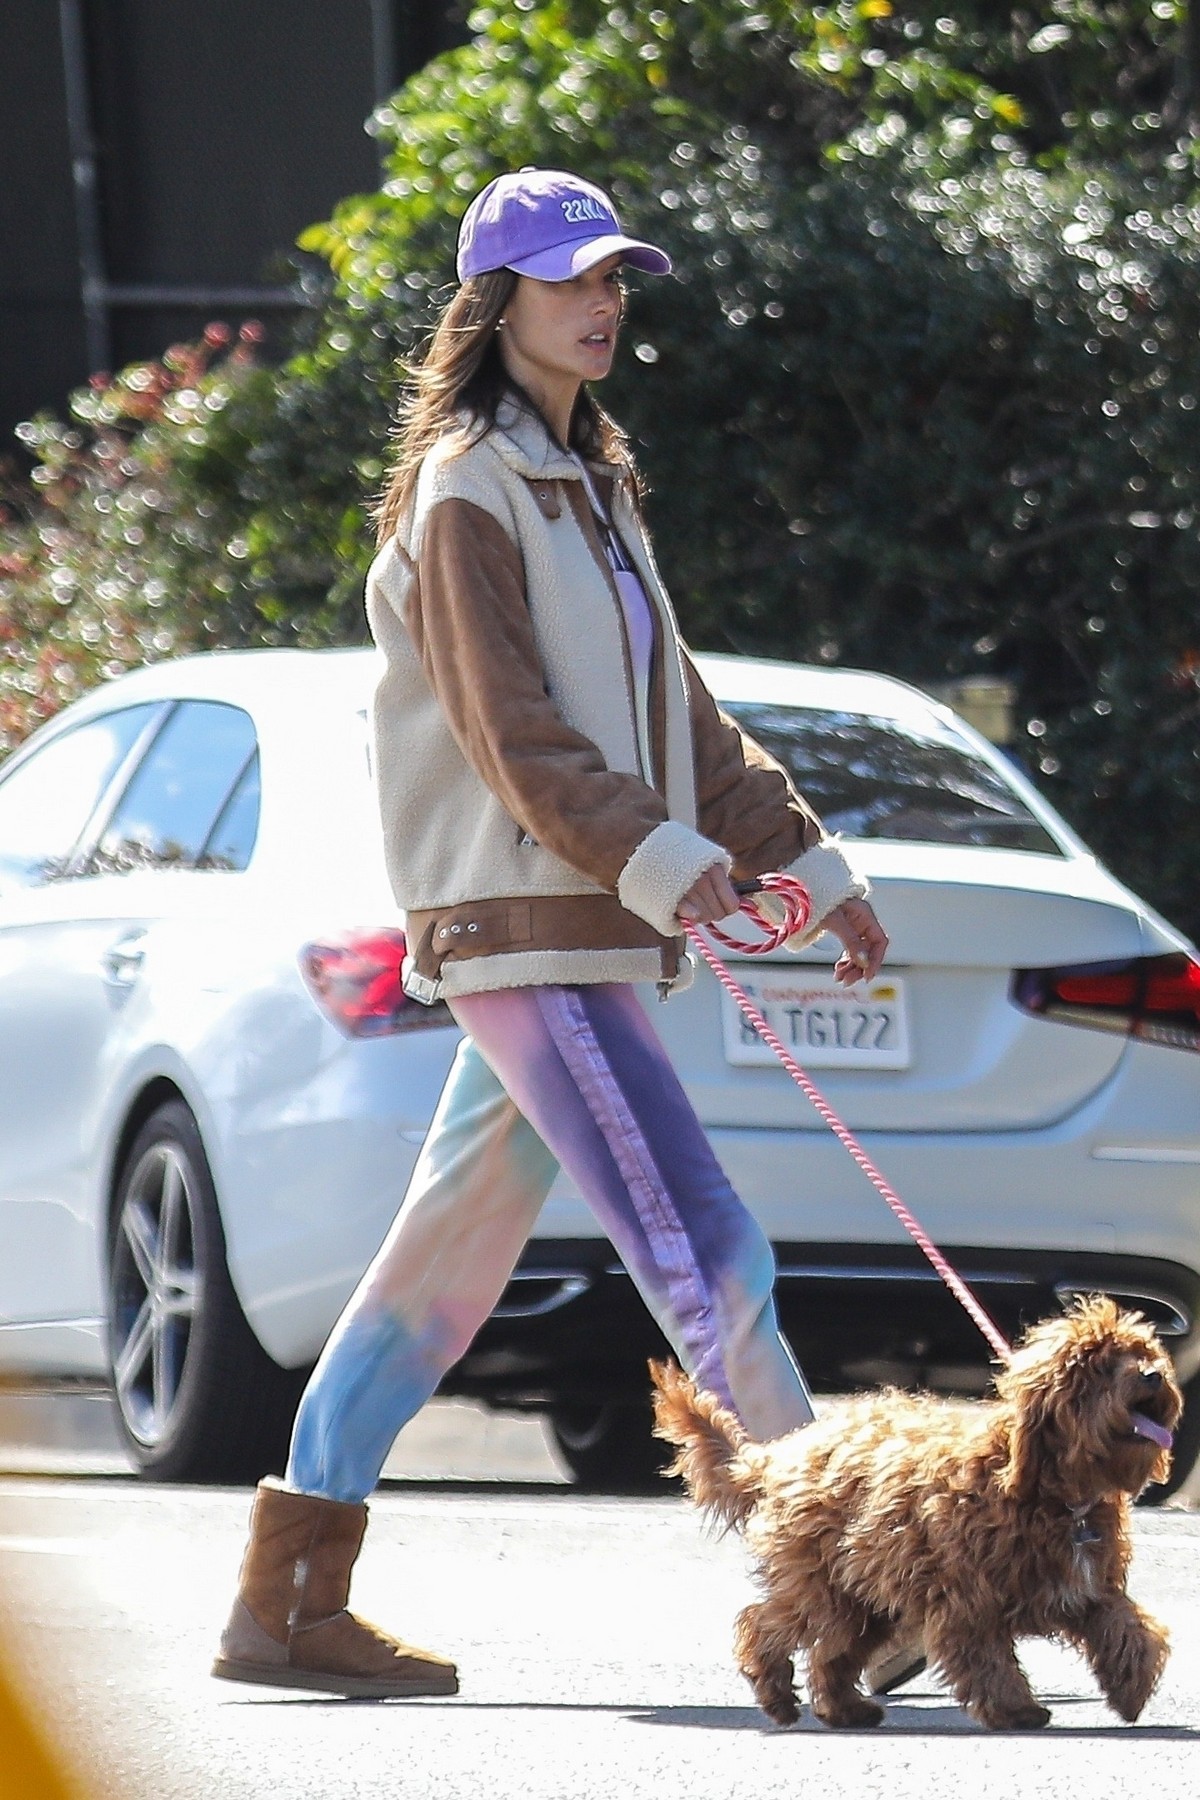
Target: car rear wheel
[
  {"x": 198, "y": 1399},
  {"x": 609, "y": 1446}
]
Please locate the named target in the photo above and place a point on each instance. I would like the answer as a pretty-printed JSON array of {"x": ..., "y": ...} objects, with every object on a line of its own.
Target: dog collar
[
  {"x": 1150, "y": 1428},
  {"x": 1081, "y": 1531}
]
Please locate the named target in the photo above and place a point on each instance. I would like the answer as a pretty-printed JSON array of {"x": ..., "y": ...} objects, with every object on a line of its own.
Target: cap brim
[{"x": 577, "y": 256}]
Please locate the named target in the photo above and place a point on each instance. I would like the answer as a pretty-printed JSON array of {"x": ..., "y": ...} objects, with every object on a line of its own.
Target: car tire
[
  {"x": 1186, "y": 1450},
  {"x": 609, "y": 1446},
  {"x": 197, "y": 1397}
]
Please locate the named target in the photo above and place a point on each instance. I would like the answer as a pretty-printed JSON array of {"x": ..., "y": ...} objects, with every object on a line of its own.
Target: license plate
[{"x": 824, "y": 1025}]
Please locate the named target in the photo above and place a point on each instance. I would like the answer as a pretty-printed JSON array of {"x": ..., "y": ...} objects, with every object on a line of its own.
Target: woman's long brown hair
[{"x": 460, "y": 380}]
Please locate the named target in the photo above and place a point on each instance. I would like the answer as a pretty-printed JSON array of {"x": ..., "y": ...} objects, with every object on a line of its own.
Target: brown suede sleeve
[
  {"x": 745, "y": 799},
  {"x": 468, "y": 618}
]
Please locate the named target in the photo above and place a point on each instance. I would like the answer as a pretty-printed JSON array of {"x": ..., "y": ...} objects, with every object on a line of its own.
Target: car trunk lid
[{"x": 960, "y": 921}]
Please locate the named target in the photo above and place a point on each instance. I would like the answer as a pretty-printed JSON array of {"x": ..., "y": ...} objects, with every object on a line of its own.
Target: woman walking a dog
[{"x": 558, "y": 793}]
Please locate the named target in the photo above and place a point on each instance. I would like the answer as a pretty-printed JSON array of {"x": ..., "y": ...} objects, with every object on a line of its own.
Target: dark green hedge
[{"x": 923, "y": 396}]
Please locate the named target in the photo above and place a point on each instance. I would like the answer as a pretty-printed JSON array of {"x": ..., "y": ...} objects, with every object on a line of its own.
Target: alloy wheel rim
[{"x": 155, "y": 1285}]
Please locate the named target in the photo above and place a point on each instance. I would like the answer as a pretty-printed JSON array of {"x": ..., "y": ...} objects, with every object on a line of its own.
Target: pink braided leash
[{"x": 797, "y": 906}]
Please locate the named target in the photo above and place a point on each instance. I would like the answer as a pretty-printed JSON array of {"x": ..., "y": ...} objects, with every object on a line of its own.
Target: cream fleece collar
[{"x": 522, "y": 441}]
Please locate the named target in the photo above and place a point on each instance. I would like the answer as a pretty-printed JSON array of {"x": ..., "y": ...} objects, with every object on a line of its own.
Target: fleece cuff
[
  {"x": 662, "y": 869},
  {"x": 830, "y": 880}
]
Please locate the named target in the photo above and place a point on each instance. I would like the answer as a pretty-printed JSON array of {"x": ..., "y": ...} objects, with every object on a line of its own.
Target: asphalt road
[{"x": 593, "y": 1637}]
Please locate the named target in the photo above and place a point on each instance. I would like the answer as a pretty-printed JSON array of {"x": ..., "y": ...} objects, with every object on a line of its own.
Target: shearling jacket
[{"x": 526, "y": 838}]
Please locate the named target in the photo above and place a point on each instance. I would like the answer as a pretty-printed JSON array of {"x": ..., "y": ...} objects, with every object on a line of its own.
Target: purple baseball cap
[{"x": 546, "y": 223}]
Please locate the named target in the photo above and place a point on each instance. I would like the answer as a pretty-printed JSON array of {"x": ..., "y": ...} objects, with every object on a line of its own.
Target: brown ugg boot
[{"x": 290, "y": 1627}]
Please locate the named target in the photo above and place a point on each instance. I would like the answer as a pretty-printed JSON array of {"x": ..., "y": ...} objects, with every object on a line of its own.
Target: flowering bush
[
  {"x": 200, "y": 502},
  {"x": 105, "y": 567}
]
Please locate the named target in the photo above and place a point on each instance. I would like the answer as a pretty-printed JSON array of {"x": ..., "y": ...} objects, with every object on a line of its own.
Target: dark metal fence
[{"x": 159, "y": 159}]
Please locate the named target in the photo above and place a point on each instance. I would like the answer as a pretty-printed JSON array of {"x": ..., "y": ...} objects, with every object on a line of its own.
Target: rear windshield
[{"x": 887, "y": 778}]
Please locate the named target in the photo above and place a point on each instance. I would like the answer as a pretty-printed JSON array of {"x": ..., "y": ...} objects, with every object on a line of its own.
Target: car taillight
[
  {"x": 1156, "y": 998},
  {"x": 355, "y": 980}
]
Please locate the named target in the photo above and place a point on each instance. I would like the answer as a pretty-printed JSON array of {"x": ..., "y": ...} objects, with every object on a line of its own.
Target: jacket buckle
[{"x": 420, "y": 987}]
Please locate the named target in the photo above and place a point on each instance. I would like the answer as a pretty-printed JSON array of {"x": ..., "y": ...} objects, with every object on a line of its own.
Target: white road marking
[{"x": 49, "y": 1546}]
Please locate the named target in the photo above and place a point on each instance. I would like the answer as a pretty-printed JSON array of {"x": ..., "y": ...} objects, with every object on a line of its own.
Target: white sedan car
[{"x": 212, "y": 1089}]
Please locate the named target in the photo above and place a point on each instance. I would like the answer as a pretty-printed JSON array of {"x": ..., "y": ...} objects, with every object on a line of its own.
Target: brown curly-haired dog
[{"x": 972, "y": 1524}]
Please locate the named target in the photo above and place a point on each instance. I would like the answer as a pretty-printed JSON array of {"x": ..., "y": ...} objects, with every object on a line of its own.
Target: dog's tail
[{"x": 709, "y": 1440}]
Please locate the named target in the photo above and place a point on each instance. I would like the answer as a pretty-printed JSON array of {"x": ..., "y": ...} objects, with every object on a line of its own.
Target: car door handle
[{"x": 123, "y": 961}]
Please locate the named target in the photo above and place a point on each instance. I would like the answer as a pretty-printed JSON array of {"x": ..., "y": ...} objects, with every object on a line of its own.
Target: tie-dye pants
[{"x": 548, "y": 1075}]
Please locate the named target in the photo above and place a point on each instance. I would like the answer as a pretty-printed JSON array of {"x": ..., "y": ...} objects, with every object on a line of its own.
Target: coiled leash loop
[{"x": 797, "y": 909}]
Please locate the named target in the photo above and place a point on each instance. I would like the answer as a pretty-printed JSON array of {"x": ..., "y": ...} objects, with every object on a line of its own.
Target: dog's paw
[
  {"x": 849, "y": 1714},
  {"x": 1015, "y": 1718},
  {"x": 1138, "y": 1675},
  {"x": 781, "y": 1709},
  {"x": 1130, "y": 1700}
]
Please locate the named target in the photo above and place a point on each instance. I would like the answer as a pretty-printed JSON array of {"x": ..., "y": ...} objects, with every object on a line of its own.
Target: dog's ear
[
  {"x": 1161, "y": 1472},
  {"x": 1037, "y": 1377},
  {"x": 1030, "y": 1414}
]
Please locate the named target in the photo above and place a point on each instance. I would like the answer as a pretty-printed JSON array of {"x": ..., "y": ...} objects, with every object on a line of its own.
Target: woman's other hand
[
  {"x": 863, "y": 938},
  {"x": 709, "y": 899}
]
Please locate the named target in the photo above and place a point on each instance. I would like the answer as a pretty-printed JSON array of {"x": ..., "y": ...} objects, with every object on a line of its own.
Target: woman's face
[{"x": 563, "y": 331}]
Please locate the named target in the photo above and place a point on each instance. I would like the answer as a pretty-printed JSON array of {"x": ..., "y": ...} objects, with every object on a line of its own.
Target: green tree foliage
[{"x": 922, "y": 396}]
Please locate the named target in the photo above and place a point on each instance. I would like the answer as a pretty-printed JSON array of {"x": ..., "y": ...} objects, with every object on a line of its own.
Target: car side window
[
  {"x": 48, "y": 799},
  {"x": 179, "y": 790},
  {"x": 231, "y": 841}
]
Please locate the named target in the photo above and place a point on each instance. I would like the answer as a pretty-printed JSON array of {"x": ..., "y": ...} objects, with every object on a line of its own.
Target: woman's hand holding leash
[{"x": 711, "y": 898}]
